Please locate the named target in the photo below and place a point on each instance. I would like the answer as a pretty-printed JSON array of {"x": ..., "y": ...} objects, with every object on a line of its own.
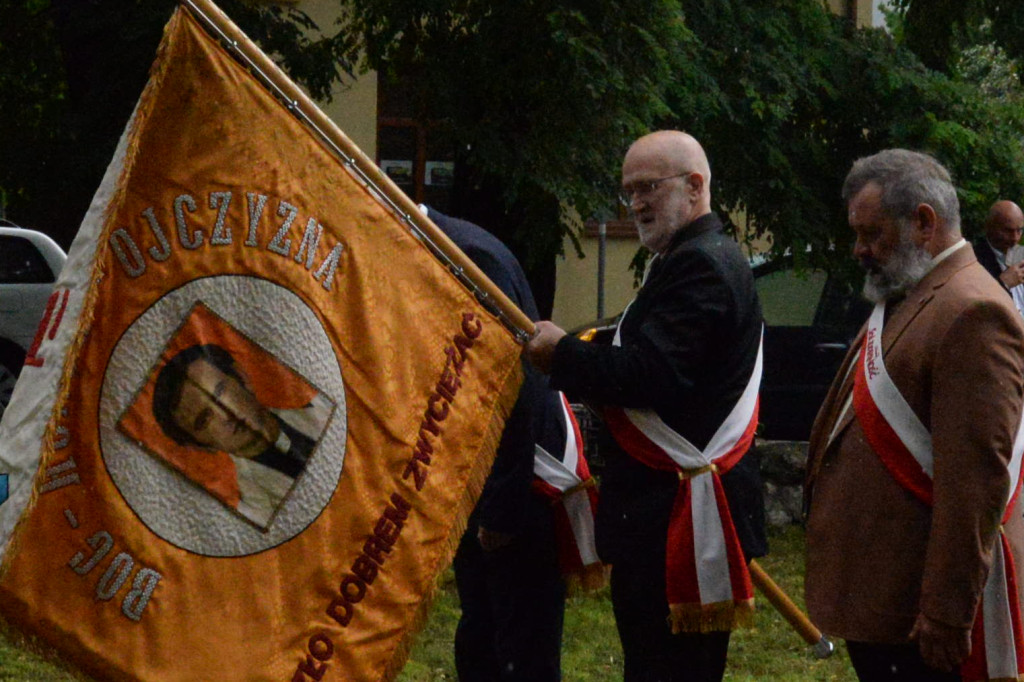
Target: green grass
[{"x": 770, "y": 650}]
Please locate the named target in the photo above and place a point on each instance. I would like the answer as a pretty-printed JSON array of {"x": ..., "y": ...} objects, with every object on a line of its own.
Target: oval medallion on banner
[{"x": 242, "y": 367}]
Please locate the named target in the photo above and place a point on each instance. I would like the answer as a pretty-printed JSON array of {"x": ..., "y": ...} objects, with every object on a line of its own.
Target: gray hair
[{"x": 907, "y": 179}]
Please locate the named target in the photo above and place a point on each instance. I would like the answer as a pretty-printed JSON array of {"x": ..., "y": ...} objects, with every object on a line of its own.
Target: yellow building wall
[
  {"x": 354, "y": 109},
  {"x": 864, "y": 10},
  {"x": 576, "y": 281},
  {"x": 354, "y": 105}
]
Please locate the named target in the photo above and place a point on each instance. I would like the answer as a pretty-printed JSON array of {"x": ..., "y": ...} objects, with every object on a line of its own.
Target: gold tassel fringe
[
  {"x": 590, "y": 578},
  {"x": 718, "y": 617}
]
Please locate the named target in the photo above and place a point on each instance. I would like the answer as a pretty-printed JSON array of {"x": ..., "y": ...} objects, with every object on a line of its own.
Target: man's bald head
[
  {"x": 1004, "y": 225},
  {"x": 666, "y": 183},
  {"x": 674, "y": 149}
]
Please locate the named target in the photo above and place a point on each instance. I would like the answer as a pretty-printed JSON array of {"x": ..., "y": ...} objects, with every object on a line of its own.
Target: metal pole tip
[{"x": 824, "y": 648}]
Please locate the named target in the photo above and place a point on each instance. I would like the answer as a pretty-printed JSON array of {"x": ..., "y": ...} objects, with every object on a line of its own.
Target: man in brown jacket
[{"x": 905, "y": 501}]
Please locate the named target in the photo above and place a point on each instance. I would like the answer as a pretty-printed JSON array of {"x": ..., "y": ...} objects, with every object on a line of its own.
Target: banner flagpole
[
  {"x": 300, "y": 104},
  {"x": 823, "y": 647}
]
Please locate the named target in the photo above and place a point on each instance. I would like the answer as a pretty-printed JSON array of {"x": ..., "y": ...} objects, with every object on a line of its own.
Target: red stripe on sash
[
  {"x": 636, "y": 444},
  {"x": 975, "y": 668},
  {"x": 545, "y": 489},
  {"x": 1012, "y": 504},
  {"x": 570, "y": 556},
  {"x": 886, "y": 444},
  {"x": 681, "y": 583},
  {"x": 908, "y": 473},
  {"x": 1012, "y": 594}
]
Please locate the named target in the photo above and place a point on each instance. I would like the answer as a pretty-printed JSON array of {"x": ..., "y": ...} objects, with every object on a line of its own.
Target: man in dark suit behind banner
[
  {"x": 911, "y": 462},
  {"x": 995, "y": 249},
  {"x": 506, "y": 568},
  {"x": 685, "y": 359}
]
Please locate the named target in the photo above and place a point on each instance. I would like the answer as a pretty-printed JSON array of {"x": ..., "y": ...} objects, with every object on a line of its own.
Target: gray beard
[{"x": 907, "y": 266}]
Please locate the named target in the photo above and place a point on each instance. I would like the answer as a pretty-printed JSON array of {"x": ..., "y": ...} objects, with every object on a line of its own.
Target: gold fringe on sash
[
  {"x": 718, "y": 617},
  {"x": 590, "y": 578}
]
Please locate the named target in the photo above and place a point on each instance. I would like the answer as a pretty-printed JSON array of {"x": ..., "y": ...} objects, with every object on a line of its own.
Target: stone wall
[{"x": 782, "y": 469}]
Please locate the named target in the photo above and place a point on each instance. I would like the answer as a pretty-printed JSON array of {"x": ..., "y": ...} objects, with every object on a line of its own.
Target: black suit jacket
[
  {"x": 987, "y": 257},
  {"x": 507, "y": 503},
  {"x": 689, "y": 342}
]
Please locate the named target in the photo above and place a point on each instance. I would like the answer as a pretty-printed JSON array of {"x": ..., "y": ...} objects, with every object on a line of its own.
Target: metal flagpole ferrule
[{"x": 824, "y": 648}]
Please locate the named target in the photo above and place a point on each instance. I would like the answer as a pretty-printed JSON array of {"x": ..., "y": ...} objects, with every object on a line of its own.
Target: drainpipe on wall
[{"x": 602, "y": 241}]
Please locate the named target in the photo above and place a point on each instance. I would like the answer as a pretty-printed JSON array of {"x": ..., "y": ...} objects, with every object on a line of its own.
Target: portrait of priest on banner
[{"x": 245, "y": 442}]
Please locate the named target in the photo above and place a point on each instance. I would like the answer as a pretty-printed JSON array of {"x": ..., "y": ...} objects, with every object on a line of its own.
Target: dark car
[{"x": 810, "y": 320}]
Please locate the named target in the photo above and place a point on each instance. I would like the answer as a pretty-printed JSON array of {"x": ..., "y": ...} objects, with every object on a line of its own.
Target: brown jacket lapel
[
  {"x": 831, "y": 409},
  {"x": 905, "y": 313},
  {"x": 918, "y": 297}
]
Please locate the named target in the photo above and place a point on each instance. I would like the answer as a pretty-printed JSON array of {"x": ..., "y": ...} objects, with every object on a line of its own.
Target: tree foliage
[
  {"x": 793, "y": 95},
  {"x": 71, "y": 72},
  {"x": 32, "y": 92},
  {"x": 939, "y": 30},
  {"x": 784, "y": 96},
  {"x": 541, "y": 98}
]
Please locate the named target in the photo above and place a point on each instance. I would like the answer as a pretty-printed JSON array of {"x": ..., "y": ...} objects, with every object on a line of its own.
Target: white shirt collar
[{"x": 947, "y": 253}]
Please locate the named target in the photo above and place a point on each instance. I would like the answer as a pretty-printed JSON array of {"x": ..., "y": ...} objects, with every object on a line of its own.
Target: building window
[{"x": 410, "y": 148}]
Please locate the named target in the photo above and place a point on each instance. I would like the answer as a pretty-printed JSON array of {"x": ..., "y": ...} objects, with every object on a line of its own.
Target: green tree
[
  {"x": 33, "y": 90},
  {"x": 938, "y": 31},
  {"x": 71, "y": 72},
  {"x": 542, "y": 97},
  {"x": 783, "y": 94},
  {"x": 792, "y": 95}
]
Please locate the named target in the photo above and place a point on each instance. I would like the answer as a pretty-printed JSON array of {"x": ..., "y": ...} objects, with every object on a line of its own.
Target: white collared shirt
[{"x": 1016, "y": 292}]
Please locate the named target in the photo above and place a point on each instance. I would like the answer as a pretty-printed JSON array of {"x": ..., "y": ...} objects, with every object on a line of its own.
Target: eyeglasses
[{"x": 644, "y": 187}]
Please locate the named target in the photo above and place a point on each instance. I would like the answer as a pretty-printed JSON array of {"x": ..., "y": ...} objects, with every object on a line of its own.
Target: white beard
[{"x": 907, "y": 266}]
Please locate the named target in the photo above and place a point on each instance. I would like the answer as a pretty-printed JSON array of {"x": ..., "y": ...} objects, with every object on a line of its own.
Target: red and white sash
[
  {"x": 567, "y": 482},
  {"x": 904, "y": 445},
  {"x": 707, "y": 582}
]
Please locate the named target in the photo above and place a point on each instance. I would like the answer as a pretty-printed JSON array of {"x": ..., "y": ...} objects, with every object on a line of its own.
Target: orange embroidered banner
[{"x": 262, "y": 408}]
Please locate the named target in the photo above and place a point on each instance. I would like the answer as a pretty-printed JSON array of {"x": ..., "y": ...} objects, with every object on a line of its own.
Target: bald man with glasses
[
  {"x": 998, "y": 249},
  {"x": 678, "y": 389}
]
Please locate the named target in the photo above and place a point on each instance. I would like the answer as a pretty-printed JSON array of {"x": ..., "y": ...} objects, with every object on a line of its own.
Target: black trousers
[
  {"x": 652, "y": 653},
  {"x": 893, "y": 663},
  {"x": 513, "y": 604}
]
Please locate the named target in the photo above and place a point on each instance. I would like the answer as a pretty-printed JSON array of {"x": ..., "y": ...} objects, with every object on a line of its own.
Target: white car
[{"x": 29, "y": 264}]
